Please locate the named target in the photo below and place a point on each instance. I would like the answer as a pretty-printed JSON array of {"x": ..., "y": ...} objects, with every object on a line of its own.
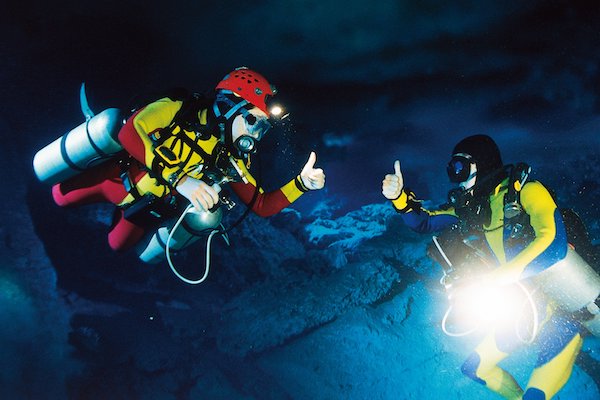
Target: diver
[
  {"x": 191, "y": 146},
  {"x": 523, "y": 238}
]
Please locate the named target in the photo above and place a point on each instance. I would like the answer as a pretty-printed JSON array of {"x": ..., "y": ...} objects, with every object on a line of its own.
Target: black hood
[
  {"x": 484, "y": 152},
  {"x": 490, "y": 172}
]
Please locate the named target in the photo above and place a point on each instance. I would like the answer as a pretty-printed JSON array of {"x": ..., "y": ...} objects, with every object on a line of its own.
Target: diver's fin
[{"x": 85, "y": 107}]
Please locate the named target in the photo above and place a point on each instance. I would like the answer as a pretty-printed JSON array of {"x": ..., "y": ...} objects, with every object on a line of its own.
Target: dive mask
[
  {"x": 256, "y": 126},
  {"x": 248, "y": 129},
  {"x": 459, "y": 167}
]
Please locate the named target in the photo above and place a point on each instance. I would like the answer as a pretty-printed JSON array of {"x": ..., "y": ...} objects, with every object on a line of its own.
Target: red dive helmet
[{"x": 249, "y": 85}]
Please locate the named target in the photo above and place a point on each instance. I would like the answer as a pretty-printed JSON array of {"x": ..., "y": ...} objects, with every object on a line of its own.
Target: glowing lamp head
[
  {"x": 488, "y": 306},
  {"x": 276, "y": 111}
]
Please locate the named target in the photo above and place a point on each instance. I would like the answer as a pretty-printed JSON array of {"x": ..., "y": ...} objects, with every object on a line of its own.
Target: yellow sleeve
[
  {"x": 401, "y": 202},
  {"x": 540, "y": 206},
  {"x": 294, "y": 189}
]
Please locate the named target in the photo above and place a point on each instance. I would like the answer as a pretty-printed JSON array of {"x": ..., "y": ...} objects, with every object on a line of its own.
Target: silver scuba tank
[
  {"x": 89, "y": 144},
  {"x": 187, "y": 231},
  {"x": 575, "y": 287}
]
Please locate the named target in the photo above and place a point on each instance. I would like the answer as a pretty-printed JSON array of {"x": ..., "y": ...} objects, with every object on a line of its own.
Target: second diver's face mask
[
  {"x": 462, "y": 170},
  {"x": 248, "y": 128}
]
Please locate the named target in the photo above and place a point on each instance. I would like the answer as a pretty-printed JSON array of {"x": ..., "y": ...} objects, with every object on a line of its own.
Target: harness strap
[
  {"x": 65, "y": 154},
  {"x": 512, "y": 199},
  {"x": 124, "y": 165},
  {"x": 92, "y": 143},
  {"x": 518, "y": 177},
  {"x": 158, "y": 163},
  {"x": 234, "y": 107}
]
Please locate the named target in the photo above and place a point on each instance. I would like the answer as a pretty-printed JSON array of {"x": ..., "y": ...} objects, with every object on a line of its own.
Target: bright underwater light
[
  {"x": 490, "y": 305},
  {"x": 278, "y": 112},
  {"x": 481, "y": 306}
]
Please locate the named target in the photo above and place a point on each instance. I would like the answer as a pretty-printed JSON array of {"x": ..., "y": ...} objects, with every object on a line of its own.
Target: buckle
[{"x": 593, "y": 307}]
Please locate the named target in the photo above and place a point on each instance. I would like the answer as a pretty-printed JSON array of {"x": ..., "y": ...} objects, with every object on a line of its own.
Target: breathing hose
[
  {"x": 535, "y": 316},
  {"x": 453, "y": 334},
  {"x": 207, "y": 256}
]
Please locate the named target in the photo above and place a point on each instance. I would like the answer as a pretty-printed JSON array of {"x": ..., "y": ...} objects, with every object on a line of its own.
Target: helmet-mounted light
[{"x": 277, "y": 112}]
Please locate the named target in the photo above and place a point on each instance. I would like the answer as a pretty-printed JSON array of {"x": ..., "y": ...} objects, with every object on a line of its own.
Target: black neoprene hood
[{"x": 484, "y": 151}]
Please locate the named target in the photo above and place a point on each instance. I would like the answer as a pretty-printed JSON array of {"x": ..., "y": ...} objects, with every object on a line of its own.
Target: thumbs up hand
[
  {"x": 393, "y": 184},
  {"x": 313, "y": 178}
]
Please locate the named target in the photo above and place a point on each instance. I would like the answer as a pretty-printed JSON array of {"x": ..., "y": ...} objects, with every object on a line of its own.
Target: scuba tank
[
  {"x": 190, "y": 226},
  {"x": 85, "y": 146},
  {"x": 575, "y": 287},
  {"x": 571, "y": 282}
]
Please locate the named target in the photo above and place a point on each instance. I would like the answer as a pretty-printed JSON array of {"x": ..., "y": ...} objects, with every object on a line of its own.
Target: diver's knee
[
  {"x": 59, "y": 198},
  {"x": 120, "y": 238},
  {"x": 534, "y": 394},
  {"x": 117, "y": 242},
  {"x": 124, "y": 234},
  {"x": 469, "y": 367}
]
